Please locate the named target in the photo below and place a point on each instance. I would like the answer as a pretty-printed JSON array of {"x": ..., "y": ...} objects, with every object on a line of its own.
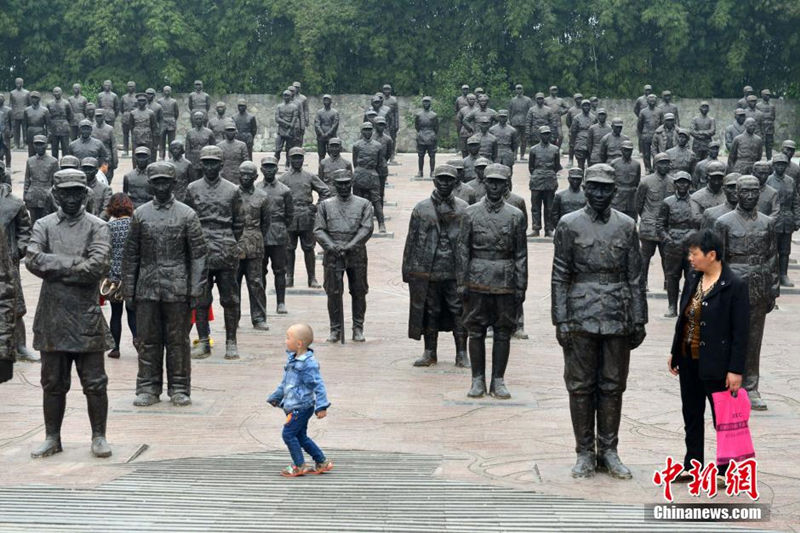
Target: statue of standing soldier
[
  {"x": 39, "y": 171},
  {"x": 369, "y": 160},
  {"x": 507, "y": 139},
  {"x": 169, "y": 117},
  {"x": 544, "y": 162},
  {"x": 788, "y": 219},
  {"x": 276, "y": 240},
  {"x": 246, "y": 126},
  {"x": 143, "y": 125},
  {"x": 426, "y": 122},
  {"x": 199, "y": 100},
  {"x": 627, "y": 176},
  {"x": 196, "y": 139},
  {"x": 59, "y": 113},
  {"x": 703, "y": 130},
  {"x": 326, "y": 125},
  {"x": 35, "y": 120},
  {"x": 652, "y": 190},
  {"x": 20, "y": 99},
  {"x": 104, "y": 132},
  {"x": 518, "y": 109},
  {"x": 109, "y": 101},
  {"x": 127, "y": 104},
  {"x": 287, "y": 117}
]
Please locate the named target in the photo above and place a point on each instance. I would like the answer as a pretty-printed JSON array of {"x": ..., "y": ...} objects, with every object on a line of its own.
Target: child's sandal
[
  {"x": 295, "y": 471},
  {"x": 321, "y": 468}
]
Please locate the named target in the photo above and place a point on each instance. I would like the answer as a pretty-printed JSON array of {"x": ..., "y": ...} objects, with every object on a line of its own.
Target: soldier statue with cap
[
  {"x": 751, "y": 111},
  {"x": 109, "y": 101},
  {"x": 751, "y": 250},
  {"x": 199, "y": 100},
  {"x": 473, "y": 146},
  {"x": 301, "y": 101},
  {"x": 627, "y": 176},
  {"x": 39, "y": 171},
  {"x": 788, "y": 148},
  {"x": 326, "y": 125},
  {"x": 518, "y": 109},
  {"x": 746, "y": 149},
  {"x": 302, "y": 185},
  {"x": 35, "y": 120},
  {"x": 735, "y": 129},
  {"x": 680, "y": 156},
  {"x": 652, "y": 190},
  {"x": 391, "y": 102},
  {"x": 461, "y": 100},
  {"x": 287, "y": 116},
  {"x": 164, "y": 277},
  {"x": 488, "y": 142},
  {"x": 426, "y": 122},
  {"x": 184, "y": 171},
  {"x": 71, "y": 251},
  {"x": 381, "y": 110},
  {"x": 768, "y": 197},
  {"x": 703, "y": 129},
  {"x": 251, "y": 245},
  {"x": 700, "y": 174},
  {"x": 169, "y": 118},
  {"x": 281, "y": 210},
  {"x": 507, "y": 139},
  {"x": 556, "y": 103},
  {"x": 711, "y": 194},
  {"x": 88, "y": 146},
  {"x": 570, "y": 199},
  {"x": 787, "y": 220},
  {"x": 492, "y": 277},
  {"x": 666, "y": 135},
  {"x": 197, "y": 138},
  {"x": 143, "y": 125},
  {"x": 544, "y": 162},
  {"x": 158, "y": 110},
  {"x": 540, "y": 114},
  {"x": 104, "y": 132},
  {"x": 369, "y": 161},
  {"x": 650, "y": 118},
  {"x": 216, "y": 123},
  {"x": 600, "y": 311},
  {"x": 19, "y": 98},
  {"x": 218, "y": 204},
  {"x": 246, "y": 126},
  {"x": 99, "y": 192},
  {"x": 333, "y": 162},
  {"x": 429, "y": 268},
  {"x": 461, "y": 189},
  {"x": 767, "y": 127},
  {"x": 667, "y": 106},
  {"x": 597, "y": 132},
  {"x": 234, "y": 153},
  {"x": 388, "y": 148},
  {"x": 676, "y": 221},
  {"x": 641, "y": 101},
  {"x": 711, "y": 214},
  {"x": 135, "y": 183},
  {"x": 127, "y": 103},
  {"x": 611, "y": 143},
  {"x": 579, "y": 132},
  {"x": 481, "y": 110},
  {"x": 60, "y": 116},
  {"x": 342, "y": 227},
  {"x": 741, "y": 103},
  {"x": 464, "y": 132}
]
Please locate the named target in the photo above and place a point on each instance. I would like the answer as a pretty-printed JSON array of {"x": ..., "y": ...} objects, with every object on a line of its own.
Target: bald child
[{"x": 301, "y": 394}]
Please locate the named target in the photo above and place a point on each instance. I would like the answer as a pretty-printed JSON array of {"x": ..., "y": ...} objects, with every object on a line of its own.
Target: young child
[{"x": 301, "y": 394}]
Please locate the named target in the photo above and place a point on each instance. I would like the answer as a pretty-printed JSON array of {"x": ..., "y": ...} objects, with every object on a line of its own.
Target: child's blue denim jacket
[{"x": 302, "y": 385}]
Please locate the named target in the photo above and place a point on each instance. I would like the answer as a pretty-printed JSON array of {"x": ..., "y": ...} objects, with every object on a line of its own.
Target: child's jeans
[{"x": 294, "y": 435}]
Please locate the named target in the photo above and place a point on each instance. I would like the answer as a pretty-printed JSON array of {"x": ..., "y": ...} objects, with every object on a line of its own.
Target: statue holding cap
[
  {"x": 652, "y": 191},
  {"x": 735, "y": 129},
  {"x": 369, "y": 161},
  {"x": 342, "y": 226},
  {"x": 246, "y": 126},
  {"x": 163, "y": 277},
  {"x": 429, "y": 268},
  {"x": 35, "y": 120},
  {"x": 326, "y": 125},
  {"x": 710, "y": 195},
  {"x": 302, "y": 185},
  {"x": 251, "y": 245},
  {"x": 676, "y": 221},
  {"x": 627, "y": 175},
  {"x": 234, "y": 153},
  {"x": 59, "y": 114},
  {"x": 611, "y": 143},
  {"x": 680, "y": 156},
  {"x": 127, "y": 104},
  {"x": 184, "y": 171},
  {"x": 507, "y": 139},
  {"x": 464, "y": 132},
  {"x": 600, "y": 311},
  {"x": 570, "y": 199},
  {"x": 39, "y": 171},
  {"x": 742, "y": 102},
  {"x": 287, "y": 115},
  {"x": 426, "y": 122},
  {"x": 711, "y": 214},
  {"x": 750, "y": 244},
  {"x": 702, "y": 130},
  {"x": 104, "y": 132},
  {"x": 544, "y": 162},
  {"x": 492, "y": 278},
  {"x": 199, "y": 100},
  {"x": 667, "y": 106},
  {"x": 281, "y": 210},
  {"x": 767, "y": 126},
  {"x": 218, "y": 205},
  {"x": 109, "y": 101},
  {"x": 787, "y": 220},
  {"x": 666, "y": 135},
  {"x": 71, "y": 259},
  {"x": 333, "y": 162},
  {"x": 700, "y": 174},
  {"x": 597, "y": 132},
  {"x": 217, "y": 122},
  {"x": 646, "y": 125},
  {"x": 143, "y": 125},
  {"x": 135, "y": 183},
  {"x": 197, "y": 138},
  {"x": 641, "y": 101},
  {"x": 99, "y": 191},
  {"x": 461, "y": 189},
  {"x": 518, "y": 109},
  {"x": 746, "y": 149},
  {"x": 20, "y": 99},
  {"x": 540, "y": 114},
  {"x": 169, "y": 117}
]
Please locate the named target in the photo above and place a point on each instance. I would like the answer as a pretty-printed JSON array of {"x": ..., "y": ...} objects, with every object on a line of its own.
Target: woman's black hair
[{"x": 706, "y": 240}]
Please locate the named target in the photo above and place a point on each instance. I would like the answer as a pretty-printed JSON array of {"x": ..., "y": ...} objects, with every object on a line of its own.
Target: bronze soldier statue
[
  {"x": 472, "y": 157},
  {"x": 768, "y": 197},
  {"x": 573, "y": 111},
  {"x": 518, "y": 108},
  {"x": 59, "y": 113},
  {"x": 461, "y": 189},
  {"x": 98, "y": 191},
  {"x": 540, "y": 115},
  {"x": 246, "y": 126},
  {"x": 746, "y": 149},
  {"x": 88, "y": 146},
  {"x": 544, "y": 162},
  {"x": 342, "y": 227},
  {"x": 474, "y": 119},
  {"x": 492, "y": 277},
  {"x": 184, "y": 171},
  {"x": 666, "y": 135},
  {"x": 597, "y": 133},
  {"x": 676, "y": 221},
  {"x": 302, "y": 185},
  {"x": 251, "y": 245},
  {"x": 767, "y": 126},
  {"x": 104, "y": 132},
  {"x": 751, "y": 111},
  {"x": 570, "y": 199},
  {"x": 39, "y": 171},
  {"x": 326, "y": 125},
  {"x": 648, "y": 122},
  {"x": 652, "y": 190},
  {"x": 788, "y": 148},
  {"x": 164, "y": 276},
  {"x": 711, "y": 195},
  {"x": 700, "y": 174},
  {"x": 158, "y": 110},
  {"x": 464, "y": 132},
  {"x": 611, "y": 143},
  {"x": 788, "y": 219},
  {"x": 234, "y": 153},
  {"x": 703, "y": 130},
  {"x": 507, "y": 139},
  {"x": 751, "y": 250},
  {"x": 127, "y": 104},
  {"x": 426, "y": 122},
  {"x": 8, "y": 303},
  {"x": 627, "y": 175},
  {"x": 642, "y": 101},
  {"x": 169, "y": 116},
  {"x": 287, "y": 116},
  {"x": 20, "y": 99},
  {"x": 281, "y": 210},
  {"x": 108, "y": 100},
  {"x": 556, "y": 103},
  {"x": 380, "y": 110},
  {"x": 5, "y": 131},
  {"x": 135, "y": 183},
  {"x": 333, "y": 162},
  {"x": 77, "y": 102},
  {"x": 429, "y": 268},
  {"x": 197, "y": 138},
  {"x": 668, "y": 107},
  {"x": 735, "y": 129},
  {"x": 369, "y": 159},
  {"x": 742, "y": 102},
  {"x": 217, "y": 123},
  {"x": 461, "y": 101},
  {"x": 488, "y": 142},
  {"x": 143, "y": 125},
  {"x": 680, "y": 156},
  {"x": 391, "y": 102},
  {"x": 302, "y": 105},
  {"x": 199, "y": 100},
  {"x": 600, "y": 311},
  {"x": 218, "y": 205},
  {"x": 711, "y": 214},
  {"x": 71, "y": 258},
  {"x": 388, "y": 148},
  {"x": 35, "y": 120}
]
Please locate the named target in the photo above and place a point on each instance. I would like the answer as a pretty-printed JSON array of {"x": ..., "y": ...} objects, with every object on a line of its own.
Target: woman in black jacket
[{"x": 708, "y": 349}]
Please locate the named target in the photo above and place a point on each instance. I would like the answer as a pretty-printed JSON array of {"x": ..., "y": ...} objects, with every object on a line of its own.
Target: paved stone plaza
[{"x": 382, "y": 406}]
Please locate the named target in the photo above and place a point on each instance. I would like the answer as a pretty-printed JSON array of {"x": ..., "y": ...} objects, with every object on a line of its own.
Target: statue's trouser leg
[
  {"x": 229, "y": 299},
  {"x": 523, "y": 137},
  {"x": 769, "y": 140},
  {"x": 333, "y": 283},
  {"x": 536, "y": 209},
  {"x": 277, "y": 255},
  {"x": 758, "y": 315},
  {"x": 477, "y": 353},
  {"x": 432, "y": 158},
  {"x": 126, "y": 136},
  {"x": 382, "y": 187},
  {"x": 91, "y": 371},
  {"x": 647, "y": 251},
  {"x": 55, "y": 380},
  {"x": 448, "y": 296},
  {"x": 176, "y": 323},
  {"x": 250, "y": 269},
  {"x": 501, "y": 348},
  {"x": 613, "y": 363},
  {"x": 673, "y": 268},
  {"x": 547, "y": 200},
  {"x": 290, "y": 249},
  {"x": 150, "y": 331},
  {"x": 358, "y": 287},
  {"x": 420, "y": 160},
  {"x": 581, "y": 358},
  {"x": 307, "y": 243},
  {"x": 322, "y": 148},
  {"x": 784, "y": 250}
]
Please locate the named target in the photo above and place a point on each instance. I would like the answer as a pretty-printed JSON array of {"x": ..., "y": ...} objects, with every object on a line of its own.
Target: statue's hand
[
  {"x": 637, "y": 337},
  {"x": 563, "y": 334}
]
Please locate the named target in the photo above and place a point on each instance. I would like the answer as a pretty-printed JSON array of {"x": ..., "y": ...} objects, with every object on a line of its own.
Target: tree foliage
[{"x": 602, "y": 47}]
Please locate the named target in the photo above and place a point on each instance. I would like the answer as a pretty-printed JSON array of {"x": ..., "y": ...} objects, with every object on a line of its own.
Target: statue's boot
[
  {"x": 280, "y": 294},
  {"x": 97, "y": 406},
  {"x": 462, "y": 359},
  {"x": 23, "y": 352},
  {"x": 231, "y": 325},
  {"x": 289, "y": 267},
  {"x": 609, "y": 412},
  {"x": 359, "y": 308},
  {"x": 672, "y": 297},
  {"x": 477, "y": 357},
  {"x": 581, "y": 410},
  {"x": 310, "y": 258},
  {"x": 429, "y": 354},
  {"x": 53, "y": 406},
  {"x": 500, "y": 352},
  {"x": 757, "y": 403},
  {"x": 202, "y": 349},
  {"x": 334, "y": 315},
  {"x": 784, "y": 269}
]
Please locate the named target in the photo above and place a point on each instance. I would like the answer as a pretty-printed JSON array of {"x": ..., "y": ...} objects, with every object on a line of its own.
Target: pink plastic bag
[{"x": 734, "y": 442}]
